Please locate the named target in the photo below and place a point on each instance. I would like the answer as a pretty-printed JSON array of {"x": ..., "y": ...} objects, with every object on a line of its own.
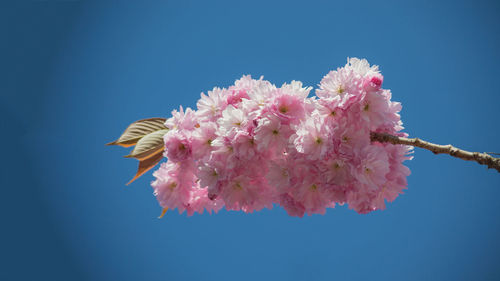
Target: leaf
[
  {"x": 138, "y": 130},
  {"x": 163, "y": 212},
  {"x": 146, "y": 165},
  {"x": 149, "y": 145}
]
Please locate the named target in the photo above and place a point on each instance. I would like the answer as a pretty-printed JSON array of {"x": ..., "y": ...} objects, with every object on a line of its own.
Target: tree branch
[{"x": 481, "y": 158}]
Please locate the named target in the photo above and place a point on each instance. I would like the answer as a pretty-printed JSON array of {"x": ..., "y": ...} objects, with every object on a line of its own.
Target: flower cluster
[{"x": 253, "y": 145}]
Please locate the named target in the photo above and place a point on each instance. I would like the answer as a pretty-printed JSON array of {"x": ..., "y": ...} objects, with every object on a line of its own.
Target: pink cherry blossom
[
  {"x": 337, "y": 170},
  {"x": 373, "y": 166},
  {"x": 271, "y": 134},
  {"x": 252, "y": 145},
  {"x": 173, "y": 184},
  {"x": 293, "y": 207},
  {"x": 288, "y": 102},
  {"x": 202, "y": 138},
  {"x": 313, "y": 138},
  {"x": 210, "y": 106},
  {"x": 177, "y": 145},
  {"x": 373, "y": 83},
  {"x": 182, "y": 120},
  {"x": 233, "y": 121},
  {"x": 236, "y": 97}
]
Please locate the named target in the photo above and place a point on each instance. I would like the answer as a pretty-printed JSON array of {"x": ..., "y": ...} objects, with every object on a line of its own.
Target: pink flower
[
  {"x": 182, "y": 120},
  {"x": 372, "y": 109},
  {"x": 313, "y": 138},
  {"x": 289, "y": 104},
  {"x": 312, "y": 194},
  {"x": 244, "y": 146},
  {"x": 337, "y": 171},
  {"x": 330, "y": 108},
  {"x": 262, "y": 93},
  {"x": 350, "y": 138},
  {"x": 361, "y": 200},
  {"x": 279, "y": 175},
  {"x": 373, "y": 83},
  {"x": 295, "y": 88},
  {"x": 202, "y": 139},
  {"x": 210, "y": 106},
  {"x": 199, "y": 201},
  {"x": 232, "y": 121},
  {"x": 293, "y": 208},
  {"x": 177, "y": 146},
  {"x": 246, "y": 83},
  {"x": 270, "y": 134},
  {"x": 361, "y": 67},
  {"x": 340, "y": 83},
  {"x": 240, "y": 193},
  {"x": 373, "y": 166},
  {"x": 208, "y": 175},
  {"x": 236, "y": 97},
  {"x": 173, "y": 185}
]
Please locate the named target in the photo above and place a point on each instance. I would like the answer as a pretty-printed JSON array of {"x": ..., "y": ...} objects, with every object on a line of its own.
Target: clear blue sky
[{"x": 76, "y": 73}]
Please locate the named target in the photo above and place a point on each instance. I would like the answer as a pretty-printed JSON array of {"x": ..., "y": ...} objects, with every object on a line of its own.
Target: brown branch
[{"x": 481, "y": 158}]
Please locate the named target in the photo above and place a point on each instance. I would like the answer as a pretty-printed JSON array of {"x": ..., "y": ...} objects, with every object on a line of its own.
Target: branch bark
[{"x": 481, "y": 158}]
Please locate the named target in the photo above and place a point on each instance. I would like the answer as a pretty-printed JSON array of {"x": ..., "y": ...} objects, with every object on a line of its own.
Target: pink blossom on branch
[{"x": 253, "y": 145}]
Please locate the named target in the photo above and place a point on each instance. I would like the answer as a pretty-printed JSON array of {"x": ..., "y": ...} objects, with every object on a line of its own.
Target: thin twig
[{"x": 481, "y": 158}]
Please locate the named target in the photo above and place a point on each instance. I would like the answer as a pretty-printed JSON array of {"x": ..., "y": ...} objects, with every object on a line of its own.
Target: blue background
[{"x": 74, "y": 74}]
